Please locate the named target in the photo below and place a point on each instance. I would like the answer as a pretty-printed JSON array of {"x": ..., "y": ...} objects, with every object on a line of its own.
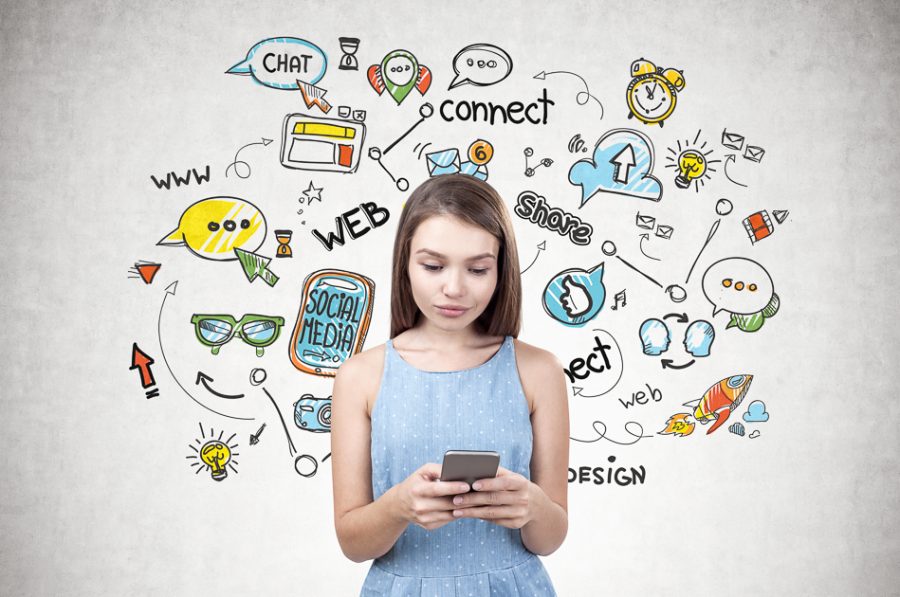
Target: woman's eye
[
  {"x": 431, "y": 268},
  {"x": 479, "y": 272}
]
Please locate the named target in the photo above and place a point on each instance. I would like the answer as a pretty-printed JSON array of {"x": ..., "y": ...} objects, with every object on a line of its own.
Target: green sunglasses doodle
[{"x": 258, "y": 331}]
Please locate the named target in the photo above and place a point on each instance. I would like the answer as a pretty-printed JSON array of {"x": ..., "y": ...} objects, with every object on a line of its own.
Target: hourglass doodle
[
  {"x": 284, "y": 238},
  {"x": 349, "y": 46}
]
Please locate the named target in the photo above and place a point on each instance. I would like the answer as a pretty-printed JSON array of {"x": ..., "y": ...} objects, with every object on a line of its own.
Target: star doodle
[{"x": 313, "y": 193}]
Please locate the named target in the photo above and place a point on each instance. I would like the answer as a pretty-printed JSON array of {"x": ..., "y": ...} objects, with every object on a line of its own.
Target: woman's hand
[
  {"x": 426, "y": 501},
  {"x": 508, "y": 500}
]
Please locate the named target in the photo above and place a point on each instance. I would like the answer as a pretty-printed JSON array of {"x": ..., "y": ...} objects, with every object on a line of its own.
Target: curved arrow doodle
[
  {"x": 582, "y": 97},
  {"x": 577, "y": 391},
  {"x": 540, "y": 247},
  {"x": 730, "y": 158},
  {"x": 646, "y": 236},
  {"x": 170, "y": 289},
  {"x": 265, "y": 142},
  {"x": 679, "y": 317},
  {"x": 667, "y": 364},
  {"x": 205, "y": 379}
]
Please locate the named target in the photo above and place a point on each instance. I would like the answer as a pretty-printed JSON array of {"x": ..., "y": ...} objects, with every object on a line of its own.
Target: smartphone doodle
[{"x": 333, "y": 320}]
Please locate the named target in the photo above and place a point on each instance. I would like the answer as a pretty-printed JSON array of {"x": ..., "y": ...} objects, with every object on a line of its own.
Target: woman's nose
[{"x": 453, "y": 284}]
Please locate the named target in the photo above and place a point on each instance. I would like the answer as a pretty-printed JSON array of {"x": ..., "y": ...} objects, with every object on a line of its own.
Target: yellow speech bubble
[{"x": 213, "y": 227}]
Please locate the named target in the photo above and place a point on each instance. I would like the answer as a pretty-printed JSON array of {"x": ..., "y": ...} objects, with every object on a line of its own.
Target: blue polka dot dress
[{"x": 418, "y": 416}]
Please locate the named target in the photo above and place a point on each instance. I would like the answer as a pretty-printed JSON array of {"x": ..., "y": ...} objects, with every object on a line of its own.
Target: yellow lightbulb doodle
[
  {"x": 692, "y": 165},
  {"x": 692, "y": 162},
  {"x": 216, "y": 456}
]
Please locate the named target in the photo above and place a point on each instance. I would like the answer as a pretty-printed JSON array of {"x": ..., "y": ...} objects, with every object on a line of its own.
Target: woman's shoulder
[
  {"x": 535, "y": 357},
  {"x": 361, "y": 376},
  {"x": 365, "y": 364},
  {"x": 540, "y": 372}
]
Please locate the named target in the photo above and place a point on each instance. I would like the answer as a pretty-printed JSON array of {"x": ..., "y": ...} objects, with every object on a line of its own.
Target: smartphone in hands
[{"x": 469, "y": 465}]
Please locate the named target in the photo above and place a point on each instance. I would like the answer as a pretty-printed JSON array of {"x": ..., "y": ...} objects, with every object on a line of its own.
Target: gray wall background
[{"x": 97, "y": 96}]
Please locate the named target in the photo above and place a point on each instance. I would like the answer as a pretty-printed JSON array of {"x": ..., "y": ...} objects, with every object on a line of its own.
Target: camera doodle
[{"x": 313, "y": 414}]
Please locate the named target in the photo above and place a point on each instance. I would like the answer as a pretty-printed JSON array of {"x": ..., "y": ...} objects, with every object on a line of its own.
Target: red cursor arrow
[{"x": 142, "y": 361}]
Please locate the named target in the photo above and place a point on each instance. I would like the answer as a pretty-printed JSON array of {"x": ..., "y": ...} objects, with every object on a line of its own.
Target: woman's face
[{"x": 452, "y": 271}]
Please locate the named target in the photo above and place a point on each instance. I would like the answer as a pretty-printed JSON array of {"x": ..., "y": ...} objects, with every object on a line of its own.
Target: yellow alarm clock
[{"x": 652, "y": 92}]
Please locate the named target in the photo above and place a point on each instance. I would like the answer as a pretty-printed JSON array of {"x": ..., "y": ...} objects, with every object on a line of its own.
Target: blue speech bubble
[
  {"x": 575, "y": 296},
  {"x": 279, "y": 62},
  {"x": 622, "y": 163}
]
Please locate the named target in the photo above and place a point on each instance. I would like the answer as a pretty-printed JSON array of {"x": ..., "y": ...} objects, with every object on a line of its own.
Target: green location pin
[{"x": 400, "y": 71}]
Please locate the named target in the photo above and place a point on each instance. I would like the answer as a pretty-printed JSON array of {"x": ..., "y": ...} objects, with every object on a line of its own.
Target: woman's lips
[{"x": 451, "y": 311}]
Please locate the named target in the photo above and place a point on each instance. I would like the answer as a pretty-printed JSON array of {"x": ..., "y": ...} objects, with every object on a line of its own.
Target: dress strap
[
  {"x": 388, "y": 352},
  {"x": 509, "y": 351}
]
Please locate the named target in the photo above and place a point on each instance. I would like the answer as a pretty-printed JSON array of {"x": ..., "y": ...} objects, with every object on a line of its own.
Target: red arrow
[{"x": 142, "y": 361}]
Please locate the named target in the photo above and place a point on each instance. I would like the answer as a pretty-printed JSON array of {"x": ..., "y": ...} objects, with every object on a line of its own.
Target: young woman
[{"x": 452, "y": 377}]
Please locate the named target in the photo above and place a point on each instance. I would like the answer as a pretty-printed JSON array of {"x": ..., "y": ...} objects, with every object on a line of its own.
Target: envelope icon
[
  {"x": 754, "y": 153},
  {"x": 645, "y": 222},
  {"x": 443, "y": 162},
  {"x": 473, "y": 169},
  {"x": 732, "y": 140},
  {"x": 663, "y": 231}
]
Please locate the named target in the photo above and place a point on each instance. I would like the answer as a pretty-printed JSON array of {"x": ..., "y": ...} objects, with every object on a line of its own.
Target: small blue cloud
[
  {"x": 756, "y": 412},
  {"x": 622, "y": 164}
]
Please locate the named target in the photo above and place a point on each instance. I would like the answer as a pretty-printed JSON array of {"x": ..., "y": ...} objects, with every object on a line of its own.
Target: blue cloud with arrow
[{"x": 622, "y": 164}]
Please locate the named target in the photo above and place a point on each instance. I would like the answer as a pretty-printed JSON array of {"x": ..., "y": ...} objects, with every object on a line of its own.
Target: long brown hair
[{"x": 474, "y": 202}]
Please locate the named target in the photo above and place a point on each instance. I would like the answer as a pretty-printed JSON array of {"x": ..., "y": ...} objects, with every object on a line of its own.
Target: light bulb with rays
[
  {"x": 215, "y": 455},
  {"x": 692, "y": 163}
]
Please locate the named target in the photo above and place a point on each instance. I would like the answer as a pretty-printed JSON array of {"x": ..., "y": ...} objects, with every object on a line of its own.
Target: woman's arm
[
  {"x": 543, "y": 381},
  {"x": 366, "y": 529}
]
